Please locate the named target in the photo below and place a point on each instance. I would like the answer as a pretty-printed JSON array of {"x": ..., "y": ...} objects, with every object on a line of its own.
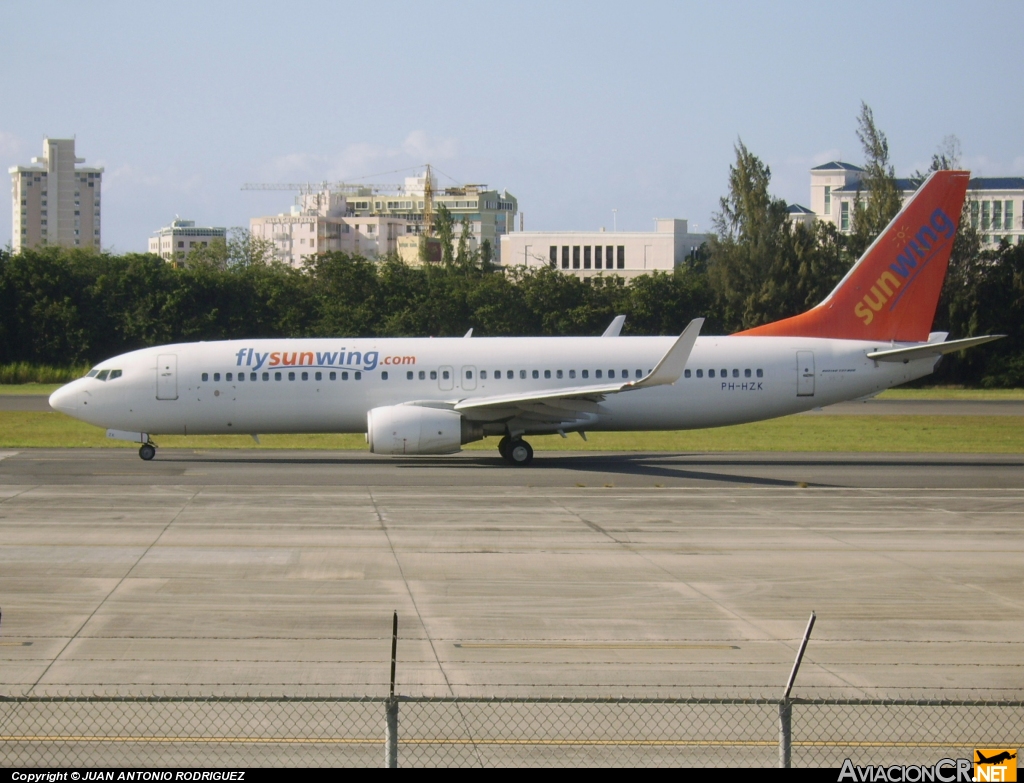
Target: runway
[{"x": 277, "y": 572}]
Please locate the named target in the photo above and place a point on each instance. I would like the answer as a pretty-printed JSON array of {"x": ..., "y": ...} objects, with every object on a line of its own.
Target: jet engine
[{"x": 413, "y": 429}]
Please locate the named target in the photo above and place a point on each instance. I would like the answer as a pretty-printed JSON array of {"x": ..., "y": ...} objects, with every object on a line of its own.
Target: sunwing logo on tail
[{"x": 916, "y": 251}]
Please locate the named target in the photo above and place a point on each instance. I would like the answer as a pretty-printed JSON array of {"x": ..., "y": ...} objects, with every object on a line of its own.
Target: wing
[{"x": 579, "y": 403}]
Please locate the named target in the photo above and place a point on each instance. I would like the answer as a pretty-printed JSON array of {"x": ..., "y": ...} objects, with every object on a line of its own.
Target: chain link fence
[{"x": 140, "y": 731}]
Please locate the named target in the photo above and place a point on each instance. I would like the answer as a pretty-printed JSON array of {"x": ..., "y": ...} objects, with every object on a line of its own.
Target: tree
[
  {"x": 462, "y": 254},
  {"x": 750, "y": 267},
  {"x": 878, "y": 196},
  {"x": 444, "y": 228}
]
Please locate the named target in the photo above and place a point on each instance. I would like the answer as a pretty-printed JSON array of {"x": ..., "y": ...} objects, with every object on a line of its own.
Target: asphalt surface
[{"x": 277, "y": 572}]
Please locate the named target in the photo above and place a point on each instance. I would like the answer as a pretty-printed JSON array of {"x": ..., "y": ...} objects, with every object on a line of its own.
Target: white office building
[
  {"x": 996, "y": 204},
  {"x": 55, "y": 202},
  {"x": 323, "y": 222},
  {"x": 591, "y": 253},
  {"x": 181, "y": 237}
]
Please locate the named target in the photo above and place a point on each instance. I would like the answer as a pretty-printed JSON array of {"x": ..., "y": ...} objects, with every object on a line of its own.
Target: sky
[{"x": 587, "y": 112}]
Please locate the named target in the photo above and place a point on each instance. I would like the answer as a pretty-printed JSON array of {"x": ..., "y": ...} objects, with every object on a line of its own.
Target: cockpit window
[
  {"x": 114, "y": 374},
  {"x": 92, "y": 373},
  {"x": 103, "y": 375}
]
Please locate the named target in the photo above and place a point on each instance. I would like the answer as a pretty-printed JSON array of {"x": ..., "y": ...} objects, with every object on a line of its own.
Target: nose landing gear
[
  {"x": 147, "y": 451},
  {"x": 516, "y": 451}
]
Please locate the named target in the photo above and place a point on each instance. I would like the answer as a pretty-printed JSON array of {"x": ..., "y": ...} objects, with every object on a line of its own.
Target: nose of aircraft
[{"x": 65, "y": 399}]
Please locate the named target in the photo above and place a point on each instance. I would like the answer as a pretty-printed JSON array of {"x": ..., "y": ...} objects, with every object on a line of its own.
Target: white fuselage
[{"x": 247, "y": 386}]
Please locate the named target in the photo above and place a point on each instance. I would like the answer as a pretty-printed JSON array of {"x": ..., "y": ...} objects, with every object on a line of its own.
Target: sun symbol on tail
[{"x": 901, "y": 235}]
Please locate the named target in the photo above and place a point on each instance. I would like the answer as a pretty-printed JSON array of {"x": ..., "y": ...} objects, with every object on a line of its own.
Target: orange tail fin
[{"x": 892, "y": 291}]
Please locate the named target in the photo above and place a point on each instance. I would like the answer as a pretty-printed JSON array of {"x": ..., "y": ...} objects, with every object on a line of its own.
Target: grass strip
[{"x": 930, "y": 434}]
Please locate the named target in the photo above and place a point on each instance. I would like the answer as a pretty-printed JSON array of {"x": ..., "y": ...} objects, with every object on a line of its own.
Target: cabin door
[
  {"x": 804, "y": 373},
  {"x": 167, "y": 376}
]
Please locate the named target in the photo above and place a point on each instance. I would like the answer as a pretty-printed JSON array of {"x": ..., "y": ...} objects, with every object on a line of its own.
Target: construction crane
[
  {"x": 309, "y": 187},
  {"x": 428, "y": 204}
]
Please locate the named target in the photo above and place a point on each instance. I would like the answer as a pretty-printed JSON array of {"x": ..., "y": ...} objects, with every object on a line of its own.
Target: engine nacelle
[{"x": 412, "y": 429}]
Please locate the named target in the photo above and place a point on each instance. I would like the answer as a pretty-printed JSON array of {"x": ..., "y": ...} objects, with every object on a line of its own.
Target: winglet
[
  {"x": 672, "y": 363},
  {"x": 615, "y": 327},
  {"x": 469, "y": 333}
]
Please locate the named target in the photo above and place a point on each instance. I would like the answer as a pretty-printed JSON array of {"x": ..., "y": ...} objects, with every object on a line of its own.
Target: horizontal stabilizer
[{"x": 930, "y": 349}]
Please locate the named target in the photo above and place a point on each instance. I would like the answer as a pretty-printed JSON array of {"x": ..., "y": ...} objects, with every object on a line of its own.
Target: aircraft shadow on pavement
[{"x": 656, "y": 466}]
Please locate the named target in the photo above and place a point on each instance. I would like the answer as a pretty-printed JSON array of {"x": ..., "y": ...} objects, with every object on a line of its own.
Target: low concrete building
[
  {"x": 591, "y": 253},
  {"x": 181, "y": 237}
]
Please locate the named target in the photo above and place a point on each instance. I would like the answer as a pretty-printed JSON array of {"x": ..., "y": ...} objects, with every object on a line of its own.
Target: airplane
[
  {"x": 433, "y": 395},
  {"x": 996, "y": 759}
]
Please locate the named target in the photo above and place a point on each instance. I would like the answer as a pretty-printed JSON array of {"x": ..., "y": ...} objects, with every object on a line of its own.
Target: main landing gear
[
  {"x": 516, "y": 451},
  {"x": 147, "y": 451}
]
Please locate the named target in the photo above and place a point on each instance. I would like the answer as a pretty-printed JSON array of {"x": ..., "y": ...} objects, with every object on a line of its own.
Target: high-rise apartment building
[{"x": 55, "y": 202}]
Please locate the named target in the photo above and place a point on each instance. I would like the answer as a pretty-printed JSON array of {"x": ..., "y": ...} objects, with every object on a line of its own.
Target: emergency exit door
[{"x": 804, "y": 373}]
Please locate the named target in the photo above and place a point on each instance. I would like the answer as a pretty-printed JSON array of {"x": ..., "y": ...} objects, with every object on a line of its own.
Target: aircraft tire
[
  {"x": 519, "y": 452},
  {"x": 503, "y": 446},
  {"x": 147, "y": 451}
]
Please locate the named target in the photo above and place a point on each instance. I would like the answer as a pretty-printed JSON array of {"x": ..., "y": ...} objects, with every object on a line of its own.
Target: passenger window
[
  {"x": 746, "y": 373},
  {"x": 700, "y": 373},
  {"x": 469, "y": 374},
  {"x": 291, "y": 376},
  {"x": 408, "y": 375},
  {"x": 586, "y": 373},
  {"x": 358, "y": 375},
  {"x": 333, "y": 376},
  {"x": 423, "y": 375},
  {"x": 216, "y": 376},
  {"x": 103, "y": 375},
  {"x": 760, "y": 373},
  {"x": 725, "y": 373},
  {"x": 433, "y": 375},
  {"x": 735, "y": 373},
  {"x": 205, "y": 377},
  {"x": 344, "y": 376},
  {"x": 226, "y": 377},
  {"x": 252, "y": 376},
  {"x": 558, "y": 373},
  {"x": 305, "y": 376},
  {"x": 241, "y": 376},
  {"x": 572, "y": 373},
  {"x": 115, "y": 374},
  {"x": 547, "y": 373},
  {"x": 536, "y": 373},
  {"x": 711, "y": 373},
  {"x": 277, "y": 376},
  {"x": 597, "y": 374},
  {"x": 510, "y": 374},
  {"x": 483, "y": 375},
  {"x": 319, "y": 376},
  {"x": 625, "y": 373},
  {"x": 266, "y": 376},
  {"x": 522, "y": 374},
  {"x": 639, "y": 374},
  {"x": 384, "y": 375},
  {"x": 445, "y": 374},
  {"x": 686, "y": 373}
]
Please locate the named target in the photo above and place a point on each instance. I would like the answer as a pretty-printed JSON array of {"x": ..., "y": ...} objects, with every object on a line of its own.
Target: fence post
[
  {"x": 786, "y": 706},
  {"x": 785, "y": 734},
  {"x": 391, "y": 708}
]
